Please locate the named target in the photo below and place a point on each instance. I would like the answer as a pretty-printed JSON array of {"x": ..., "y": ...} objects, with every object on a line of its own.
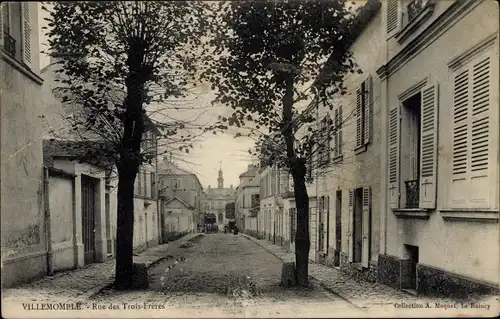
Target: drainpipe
[{"x": 48, "y": 230}]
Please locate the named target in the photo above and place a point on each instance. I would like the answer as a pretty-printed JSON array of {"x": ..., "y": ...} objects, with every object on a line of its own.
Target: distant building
[
  {"x": 215, "y": 199},
  {"x": 174, "y": 181}
]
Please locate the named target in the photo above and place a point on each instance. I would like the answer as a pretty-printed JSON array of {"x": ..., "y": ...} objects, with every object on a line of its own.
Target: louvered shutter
[
  {"x": 481, "y": 157},
  {"x": 359, "y": 117},
  {"x": 368, "y": 107},
  {"x": 393, "y": 17},
  {"x": 460, "y": 137},
  {"x": 327, "y": 228},
  {"x": 365, "y": 257},
  {"x": 1, "y": 22},
  {"x": 428, "y": 149},
  {"x": 349, "y": 234},
  {"x": 394, "y": 122},
  {"x": 339, "y": 132},
  {"x": 26, "y": 33},
  {"x": 335, "y": 132}
]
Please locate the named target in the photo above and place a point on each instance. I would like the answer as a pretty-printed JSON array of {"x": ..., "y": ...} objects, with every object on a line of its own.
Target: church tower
[{"x": 220, "y": 179}]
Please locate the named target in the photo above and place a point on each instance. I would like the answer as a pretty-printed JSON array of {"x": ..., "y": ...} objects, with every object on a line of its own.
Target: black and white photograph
[{"x": 250, "y": 159}]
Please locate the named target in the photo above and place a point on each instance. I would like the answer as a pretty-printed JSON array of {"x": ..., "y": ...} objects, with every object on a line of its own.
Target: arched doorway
[{"x": 220, "y": 218}]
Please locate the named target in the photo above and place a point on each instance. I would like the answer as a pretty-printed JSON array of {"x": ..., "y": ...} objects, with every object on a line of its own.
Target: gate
[{"x": 88, "y": 218}]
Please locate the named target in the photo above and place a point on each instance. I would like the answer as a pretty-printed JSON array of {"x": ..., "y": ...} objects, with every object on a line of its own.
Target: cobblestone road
[
  {"x": 193, "y": 281},
  {"x": 375, "y": 298},
  {"x": 198, "y": 286}
]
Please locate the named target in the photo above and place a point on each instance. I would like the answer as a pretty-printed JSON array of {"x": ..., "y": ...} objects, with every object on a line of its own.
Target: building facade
[
  {"x": 215, "y": 199},
  {"x": 24, "y": 245},
  {"x": 176, "y": 182},
  {"x": 348, "y": 219},
  {"x": 440, "y": 145},
  {"x": 247, "y": 198}
]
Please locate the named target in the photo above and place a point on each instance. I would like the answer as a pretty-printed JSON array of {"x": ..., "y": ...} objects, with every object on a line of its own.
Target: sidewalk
[
  {"x": 80, "y": 284},
  {"x": 363, "y": 295}
]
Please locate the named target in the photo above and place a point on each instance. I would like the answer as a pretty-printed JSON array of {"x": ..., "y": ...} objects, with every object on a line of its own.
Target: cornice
[
  {"x": 427, "y": 36},
  {"x": 463, "y": 58}
]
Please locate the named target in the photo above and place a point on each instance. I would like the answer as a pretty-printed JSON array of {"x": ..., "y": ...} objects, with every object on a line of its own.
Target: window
[
  {"x": 401, "y": 13},
  {"x": 337, "y": 132},
  {"x": 472, "y": 161},
  {"x": 255, "y": 200},
  {"x": 413, "y": 150},
  {"x": 324, "y": 141},
  {"x": 293, "y": 223},
  {"x": 176, "y": 183},
  {"x": 145, "y": 181},
  {"x": 153, "y": 185},
  {"x": 139, "y": 183},
  {"x": 363, "y": 114}
]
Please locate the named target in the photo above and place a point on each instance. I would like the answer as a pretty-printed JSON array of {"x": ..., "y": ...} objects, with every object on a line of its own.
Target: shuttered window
[
  {"x": 349, "y": 234},
  {"x": 429, "y": 141},
  {"x": 26, "y": 33},
  {"x": 472, "y": 157},
  {"x": 394, "y": 122},
  {"x": 366, "y": 226},
  {"x": 364, "y": 106},
  {"x": 337, "y": 132},
  {"x": 393, "y": 16}
]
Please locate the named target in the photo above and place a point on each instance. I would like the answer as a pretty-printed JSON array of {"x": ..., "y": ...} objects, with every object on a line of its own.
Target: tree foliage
[
  {"x": 258, "y": 44},
  {"x": 115, "y": 59},
  {"x": 107, "y": 50},
  {"x": 275, "y": 62}
]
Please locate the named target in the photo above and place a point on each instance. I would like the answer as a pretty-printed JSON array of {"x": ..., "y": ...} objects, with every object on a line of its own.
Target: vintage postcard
[{"x": 250, "y": 159}]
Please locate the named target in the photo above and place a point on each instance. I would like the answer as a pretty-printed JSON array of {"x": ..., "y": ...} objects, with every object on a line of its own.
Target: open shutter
[
  {"x": 335, "y": 132},
  {"x": 428, "y": 148},
  {"x": 339, "y": 131},
  {"x": 327, "y": 222},
  {"x": 365, "y": 258},
  {"x": 26, "y": 33},
  {"x": 359, "y": 117},
  {"x": 368, "y": 102},
  {"x": 481, "y": 162},
  {"x": 460, "y": 137},
  {"x": 1, "y": 22},
  {"x": 349, "y": 234},
  {"x": 393, "y": 17},
  {"x": 394, "y": 122}
]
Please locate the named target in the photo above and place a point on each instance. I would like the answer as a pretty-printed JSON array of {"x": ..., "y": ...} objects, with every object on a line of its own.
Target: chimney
[
  {"x": 250, "y": 166},
  {"x": 231, "y": 186}
]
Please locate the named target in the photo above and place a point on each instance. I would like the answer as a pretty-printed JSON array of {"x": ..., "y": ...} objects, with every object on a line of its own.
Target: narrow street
[{"x": 199, "y": 284}]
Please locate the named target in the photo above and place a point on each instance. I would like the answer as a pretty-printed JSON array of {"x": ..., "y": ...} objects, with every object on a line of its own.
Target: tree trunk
[
  {"x": 302, "y": 244},
  {"x": 298, "y": 169},
  {"x": 125, "y": 231}
]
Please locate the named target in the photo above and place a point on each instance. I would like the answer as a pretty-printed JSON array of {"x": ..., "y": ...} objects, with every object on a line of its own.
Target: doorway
[
  {"x": 358, "y": 225},
  {"x": 88, "y": 218},
  {"x": 338, "y": 228}
]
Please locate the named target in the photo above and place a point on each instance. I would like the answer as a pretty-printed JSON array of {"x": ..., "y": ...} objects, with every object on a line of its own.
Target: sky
[{"x": 212, "y": 152}]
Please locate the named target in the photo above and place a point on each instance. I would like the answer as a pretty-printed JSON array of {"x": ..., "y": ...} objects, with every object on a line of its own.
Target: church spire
[{"x": 220, "y": 179}]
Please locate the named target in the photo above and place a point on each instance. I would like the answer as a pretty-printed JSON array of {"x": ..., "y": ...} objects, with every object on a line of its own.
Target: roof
[
  {"x": 220, "y": 192},
  {"x": 250, "y": 172},
  {"x": 365, "y": 15},
  {"x": 253, "y": 183},
  {"x": 180, "y": 200},
  {"x": 92, "y": 152},
  {"x": 173, "y": 170}
]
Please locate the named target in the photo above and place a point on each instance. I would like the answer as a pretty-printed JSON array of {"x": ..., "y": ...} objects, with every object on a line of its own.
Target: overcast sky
[{"x": 212, "y": 151}]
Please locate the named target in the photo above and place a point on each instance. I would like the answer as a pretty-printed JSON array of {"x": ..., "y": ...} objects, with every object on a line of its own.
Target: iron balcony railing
[
  {"x": 9, "y": 44},
  {"x": 412, "y": 193},
  {"x": 415, "y": 7}
]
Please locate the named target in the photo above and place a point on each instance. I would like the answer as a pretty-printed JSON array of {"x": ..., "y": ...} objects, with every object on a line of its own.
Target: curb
[
  {"x": 107, "y": 283},
  {"x": 321, "y": 283}
]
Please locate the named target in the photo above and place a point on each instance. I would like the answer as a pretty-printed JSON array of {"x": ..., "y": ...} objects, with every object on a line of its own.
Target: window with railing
[
  {"x": 412, "y": 193},
  {"x": 414, "y": 8}
]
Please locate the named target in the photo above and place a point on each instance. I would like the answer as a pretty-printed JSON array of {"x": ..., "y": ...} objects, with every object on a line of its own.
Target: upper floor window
[
  {"x": 364, "y": 107},
  {"x": 400, "y": 13},
  {"x": 16, "y": 30}
]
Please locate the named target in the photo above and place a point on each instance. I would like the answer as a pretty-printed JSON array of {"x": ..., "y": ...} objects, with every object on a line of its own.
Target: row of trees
[{"x": 264, "y": 59}]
